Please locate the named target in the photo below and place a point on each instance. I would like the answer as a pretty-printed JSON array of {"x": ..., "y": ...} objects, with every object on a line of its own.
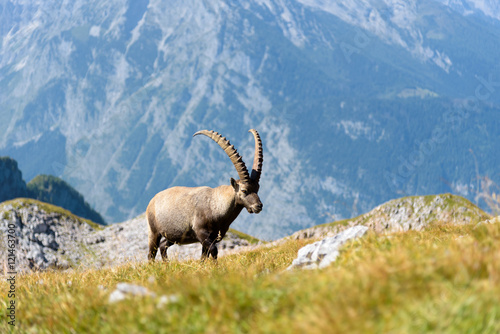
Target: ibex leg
[
  {"x": 164, "y": 244},
  {"x": 154, "y": 242}
]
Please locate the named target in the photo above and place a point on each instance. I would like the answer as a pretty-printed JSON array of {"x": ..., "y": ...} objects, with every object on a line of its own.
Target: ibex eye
[{"x": 244, "y": 191}]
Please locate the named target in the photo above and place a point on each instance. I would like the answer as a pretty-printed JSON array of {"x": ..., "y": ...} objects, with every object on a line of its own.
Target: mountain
[
  {"x": 12, "y": 184},
  {"x": 53, "y": 190},
  {"x": 45, "y": 188},
  {"x": 357, "y": 103},
  {"x": 487, "y": 8}
]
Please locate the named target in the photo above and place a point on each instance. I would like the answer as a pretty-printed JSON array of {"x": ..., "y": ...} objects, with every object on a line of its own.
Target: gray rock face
[
  {"x": 116, "y": 92},
  {"x": 44, "y": 239},
  {"x": 415, "y": 213},
  {"x": 322, "y": 253}
]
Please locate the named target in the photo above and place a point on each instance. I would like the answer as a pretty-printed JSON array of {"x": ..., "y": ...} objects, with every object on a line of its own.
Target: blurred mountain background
[{"x": 357, "y": 103}]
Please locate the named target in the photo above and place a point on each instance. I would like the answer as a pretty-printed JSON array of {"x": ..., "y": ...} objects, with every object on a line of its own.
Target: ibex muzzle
[{"x": 185, "y": 215}]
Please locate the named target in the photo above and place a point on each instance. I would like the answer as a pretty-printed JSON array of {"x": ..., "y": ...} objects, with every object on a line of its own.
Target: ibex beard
[{"x": 184, "y": 215}]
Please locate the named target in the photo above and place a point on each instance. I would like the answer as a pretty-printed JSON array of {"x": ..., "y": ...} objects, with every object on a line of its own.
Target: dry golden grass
[{"x": 445, "y": 279}]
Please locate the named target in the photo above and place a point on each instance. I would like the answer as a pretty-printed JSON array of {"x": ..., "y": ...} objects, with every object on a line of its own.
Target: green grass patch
[{"x": 444, "y": 279}]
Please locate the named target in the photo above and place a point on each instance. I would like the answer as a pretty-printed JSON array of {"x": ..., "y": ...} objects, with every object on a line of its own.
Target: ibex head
[{"x": 247, "y": 187}]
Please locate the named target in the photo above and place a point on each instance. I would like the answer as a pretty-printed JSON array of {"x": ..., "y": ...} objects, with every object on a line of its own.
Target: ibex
[{"x": 185, "y": 215}]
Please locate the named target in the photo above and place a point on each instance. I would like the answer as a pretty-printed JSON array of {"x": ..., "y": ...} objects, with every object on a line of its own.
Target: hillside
[
  {"x": 44, "y": 237},
  {"x": 45, "y": 188},
  {"x": 47, "y": 236},
  {"x": 404, "y": 214},
  {"x": 50, "y": 237},
  {"x": 53, "y": 190},
  {"x": 442, "y": 278},
  {"x": 356, "y": 102},
  {"x": 127, "y": 242}
]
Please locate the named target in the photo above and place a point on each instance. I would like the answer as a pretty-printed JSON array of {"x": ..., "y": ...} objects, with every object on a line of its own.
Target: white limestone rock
[{"x": 322, "y": 253}]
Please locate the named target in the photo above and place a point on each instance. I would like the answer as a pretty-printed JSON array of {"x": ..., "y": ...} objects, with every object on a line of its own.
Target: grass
[{"x": 444, "y": 279}]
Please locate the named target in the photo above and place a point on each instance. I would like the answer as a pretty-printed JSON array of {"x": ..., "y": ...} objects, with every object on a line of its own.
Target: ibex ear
[{"x": 234, "y": 184}]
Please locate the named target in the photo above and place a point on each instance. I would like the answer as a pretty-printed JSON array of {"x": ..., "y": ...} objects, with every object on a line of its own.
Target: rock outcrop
[
  {"x": 403, "y": 214},
  {"x": 322, "y": 253},
  {"x": 46, "y": 236},
  {"x": 51, "y": 237}
]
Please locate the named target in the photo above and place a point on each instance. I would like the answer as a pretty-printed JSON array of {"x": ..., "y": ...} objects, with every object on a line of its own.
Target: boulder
[{"x": 322, "y": 253}]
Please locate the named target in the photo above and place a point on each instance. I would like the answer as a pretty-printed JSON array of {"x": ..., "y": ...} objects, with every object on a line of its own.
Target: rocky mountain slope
[
  {"x": 128, "y": 242},
  {"x": 50, "y": 237},
  {"x": 407, "y": 213},
  {"x": 357, "y": 102},
  {"x": 445, "y": 278},
  {"x": 47, "y": 236}
]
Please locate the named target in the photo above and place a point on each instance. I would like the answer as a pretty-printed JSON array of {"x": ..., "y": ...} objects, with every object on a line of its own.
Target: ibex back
[{"x": 185, "y": 215}]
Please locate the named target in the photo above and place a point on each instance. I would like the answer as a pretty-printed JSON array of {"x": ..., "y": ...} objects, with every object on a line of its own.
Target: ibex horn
[
  {"x": 258, "y": 157},
  {"x": 231, "y": 152}
]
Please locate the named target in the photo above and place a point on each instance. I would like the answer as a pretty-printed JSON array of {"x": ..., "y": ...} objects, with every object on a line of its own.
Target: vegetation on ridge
[
  {"x": 51, "y": 189},
  {"x": 19, "y": 203},
  {"x": 429, "y": 209},
  {"x": 45, "y": 188}
]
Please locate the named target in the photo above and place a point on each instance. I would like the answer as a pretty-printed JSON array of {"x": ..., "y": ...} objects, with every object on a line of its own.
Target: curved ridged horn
[
  {"x": 258, "y": 157},
  {"x": 231, "y": 152}
]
